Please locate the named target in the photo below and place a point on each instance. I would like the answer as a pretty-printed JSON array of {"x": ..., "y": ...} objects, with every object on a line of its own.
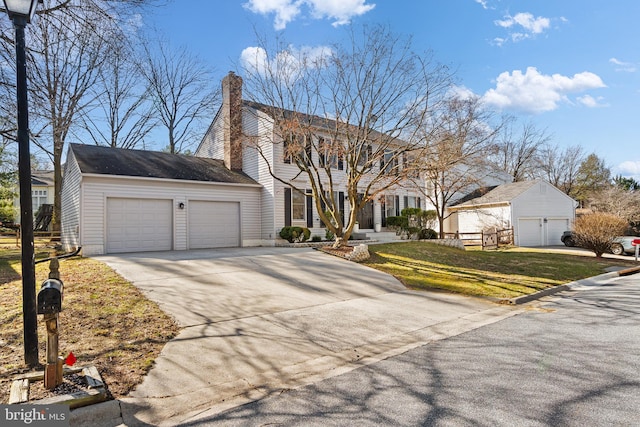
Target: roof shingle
[{"x": 94, "y": 159}]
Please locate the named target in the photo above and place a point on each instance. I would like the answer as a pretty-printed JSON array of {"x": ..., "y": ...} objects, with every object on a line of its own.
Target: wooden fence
[{"x": 490, "y": 239}]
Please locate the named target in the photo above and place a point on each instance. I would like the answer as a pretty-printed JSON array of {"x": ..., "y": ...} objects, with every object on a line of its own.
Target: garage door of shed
[
  {"x": 214, "y": 224},
  {"x": 529, "y": 232},
  {"x": 139, "y": 225}
]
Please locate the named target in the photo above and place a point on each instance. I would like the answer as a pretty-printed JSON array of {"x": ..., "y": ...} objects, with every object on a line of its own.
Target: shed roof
[
  {"x": 93, "y": 159},
  {"x": 504, "y": 193}
]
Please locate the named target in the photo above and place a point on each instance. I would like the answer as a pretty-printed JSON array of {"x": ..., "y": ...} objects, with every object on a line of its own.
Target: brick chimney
[{"x": 232, "y": 116}]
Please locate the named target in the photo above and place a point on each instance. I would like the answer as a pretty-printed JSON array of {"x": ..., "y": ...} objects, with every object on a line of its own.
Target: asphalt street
[{"x": 571, "y": 360}]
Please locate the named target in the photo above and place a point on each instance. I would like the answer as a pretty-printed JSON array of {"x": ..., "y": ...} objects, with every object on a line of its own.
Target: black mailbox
[{"x": 50, "y": 297}]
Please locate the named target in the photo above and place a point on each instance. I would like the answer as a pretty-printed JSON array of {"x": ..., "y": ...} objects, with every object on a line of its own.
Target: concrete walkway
[{"x": 259, "y": 321}]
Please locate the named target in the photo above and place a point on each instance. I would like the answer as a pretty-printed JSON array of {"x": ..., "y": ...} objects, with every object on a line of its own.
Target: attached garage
[
  {"x": 538, "y": 212},
  {"x": 213, "y": 224},
  {"x": 139, "y": 225},
  {"x": 116, "y": 201}
]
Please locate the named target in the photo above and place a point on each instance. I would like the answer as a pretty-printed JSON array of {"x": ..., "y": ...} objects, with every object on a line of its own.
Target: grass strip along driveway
[
  {"x": 105, "y": 321},
  {"x": 503, "y": 273}
]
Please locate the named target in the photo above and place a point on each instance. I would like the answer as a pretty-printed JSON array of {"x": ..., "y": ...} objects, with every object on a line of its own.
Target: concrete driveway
[{"x": 262, "y": 320}]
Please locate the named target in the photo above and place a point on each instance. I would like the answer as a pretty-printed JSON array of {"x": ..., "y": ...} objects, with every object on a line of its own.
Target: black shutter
[
  {"x": 309, "y": 209},
  {"x": 287, "y": 207},
  {"x": 383, "y": 210},
  {"x": 397, "y": 206},
  {"x": 419, "y": 203},
  {"x": 406, "y": 202}
]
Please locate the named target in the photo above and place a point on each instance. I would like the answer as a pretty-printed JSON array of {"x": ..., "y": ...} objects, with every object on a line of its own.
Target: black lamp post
[{"x": 21, "y": 12}]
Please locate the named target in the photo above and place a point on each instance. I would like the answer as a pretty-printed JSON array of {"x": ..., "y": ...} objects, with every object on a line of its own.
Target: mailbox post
[
  {"x": 636, "y": 243},
  {"x": 50, "y": 304}
]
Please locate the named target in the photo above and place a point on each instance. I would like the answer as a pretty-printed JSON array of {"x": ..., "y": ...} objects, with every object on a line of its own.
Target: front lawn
[
  {"x": 105, "y": 322},
  {"x": 503, "y": 273}
]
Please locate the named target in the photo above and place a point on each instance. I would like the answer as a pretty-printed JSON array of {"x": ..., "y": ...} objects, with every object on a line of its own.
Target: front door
[{"x": 365, "y": 215}]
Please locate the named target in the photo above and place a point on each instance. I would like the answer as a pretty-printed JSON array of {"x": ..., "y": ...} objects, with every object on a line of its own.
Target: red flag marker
[{"x": 70, "y": 360}]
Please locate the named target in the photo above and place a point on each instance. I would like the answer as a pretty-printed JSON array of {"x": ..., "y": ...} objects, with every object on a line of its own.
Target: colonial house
[
  {"x": 116, "y": 200},
  {"x": 240, "y": 121}
]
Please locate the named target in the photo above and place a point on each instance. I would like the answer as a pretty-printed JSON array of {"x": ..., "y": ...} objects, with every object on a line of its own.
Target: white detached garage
[
  {"x": 116, "y": 200},
  {"x": 538, "y": 212}
]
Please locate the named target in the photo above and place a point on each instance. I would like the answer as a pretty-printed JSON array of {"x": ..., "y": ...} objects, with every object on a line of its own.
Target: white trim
[{"x": 173, "y": 180}]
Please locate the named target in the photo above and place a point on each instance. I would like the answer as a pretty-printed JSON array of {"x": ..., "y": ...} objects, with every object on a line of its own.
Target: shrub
[
  {"x": 596, "y": 231},
  {"x": 316, "y": 238},
  {"x": 328, "y": 235},
  {"x": 295, "y": 234},
  {"x": 428, "y": 233}
]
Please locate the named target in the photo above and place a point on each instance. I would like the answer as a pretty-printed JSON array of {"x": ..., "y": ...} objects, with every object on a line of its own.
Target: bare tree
[
  {"x": 517, "y": 153},
  {"x": 458, "y": 140},
  {"x": 180, "y": 90},
  {"x": 68, "y": 44},
  {"x": 357, "y": 105},
  {"x": 66, "y": 56},
  {"x": 122, "y": 114},
  {"x": 617, "y": 201},
  {"x": 560, "y": 166}
]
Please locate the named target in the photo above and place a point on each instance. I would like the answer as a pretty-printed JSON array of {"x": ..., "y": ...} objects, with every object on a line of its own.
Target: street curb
[
  {"x": 591, "y": 281},
  {"x": 105, "y": 414}
]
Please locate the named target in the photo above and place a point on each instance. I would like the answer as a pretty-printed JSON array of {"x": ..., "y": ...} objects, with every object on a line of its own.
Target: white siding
[
  {"x": 543, "y": 200},
  {"x": 476, "y": 220},
  {"x": 71, "y": 196},
  {"x": 554, "y": 209},
  {"x": 212, "y": 145},
  {"x": 96, "y": 190}
]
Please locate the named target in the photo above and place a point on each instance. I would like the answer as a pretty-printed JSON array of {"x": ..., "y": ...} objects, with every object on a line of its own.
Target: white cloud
[
  {"x": 591, "y": 102},
  {"x": 534, "y": 92},
  {"x": 630, "y": 168},
  {"x": 623, "y": 66},
  {"x": 482, "y": 3},
  {"x": 286, "y": 64},
  {"x": 285, "y": 10},
  {"x": 341, "y": 11},
  {"x": 461, "y": 92},
  {"x": 524, "y": 24}
]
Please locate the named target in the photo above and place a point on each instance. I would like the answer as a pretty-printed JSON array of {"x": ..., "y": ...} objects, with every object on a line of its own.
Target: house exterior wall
[
  {"x": 97, "y": 188},
  {"x": 476, "y": 220},
  {"x": 71, "y": 200}
]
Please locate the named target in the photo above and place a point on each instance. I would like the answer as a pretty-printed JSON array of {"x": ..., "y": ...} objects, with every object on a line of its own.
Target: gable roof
[
  {"x": 42, "y": 178},
  {"x": 504, "y": 193},
  {"x": 93, "y": 159},
  {"x": 318, "y": 122}
]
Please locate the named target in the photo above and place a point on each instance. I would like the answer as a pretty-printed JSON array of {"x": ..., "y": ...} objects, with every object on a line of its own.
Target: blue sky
[{"x": 569, "y": 66}]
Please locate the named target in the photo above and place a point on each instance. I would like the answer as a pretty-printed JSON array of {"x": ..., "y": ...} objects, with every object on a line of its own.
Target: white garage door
[
  {"x": 138, "y": 225},
  {"x": 529, "y": 231},
  {"x": 214, "y": 224},
  {"x": 555, "y": 228}
]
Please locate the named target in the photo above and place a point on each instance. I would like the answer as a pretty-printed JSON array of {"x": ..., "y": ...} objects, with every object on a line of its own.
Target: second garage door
[{"x": 214, "y": 224}]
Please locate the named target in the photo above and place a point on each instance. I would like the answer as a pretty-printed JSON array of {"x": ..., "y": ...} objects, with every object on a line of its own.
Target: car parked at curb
[{"x": 624, "y": 245}]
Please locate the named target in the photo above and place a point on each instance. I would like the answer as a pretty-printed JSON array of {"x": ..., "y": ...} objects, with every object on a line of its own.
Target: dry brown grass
[{"x": 105, "y": 322}]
